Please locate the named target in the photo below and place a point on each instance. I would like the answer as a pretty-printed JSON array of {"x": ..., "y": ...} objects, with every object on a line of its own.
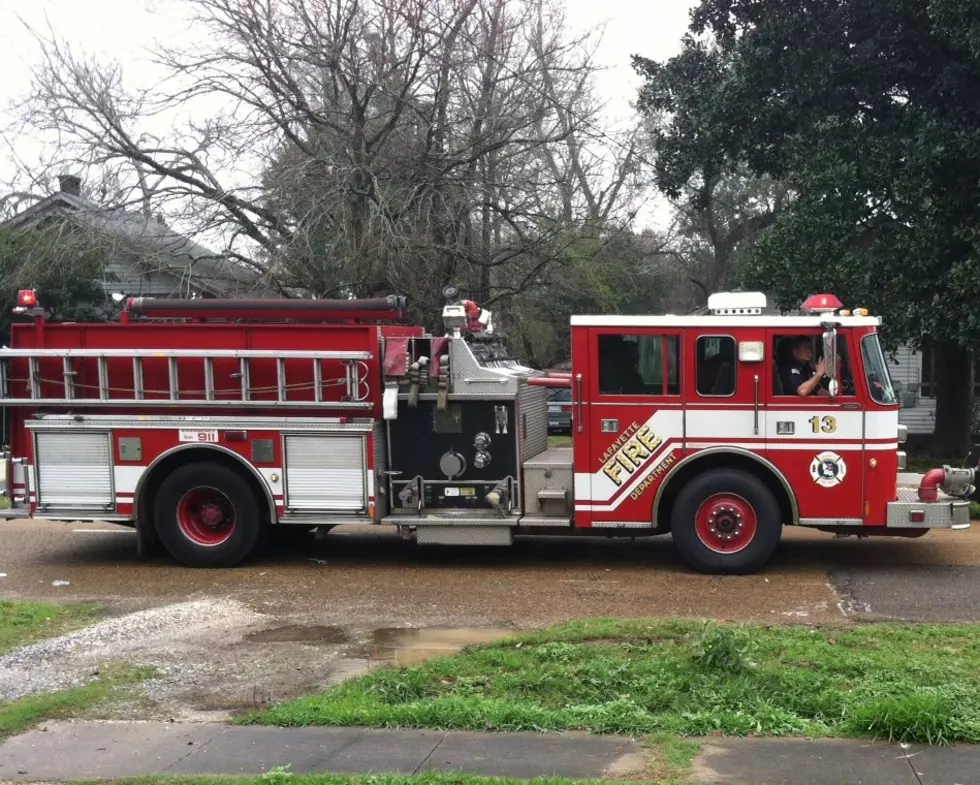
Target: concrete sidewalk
[{"x": 85, "y": 750}]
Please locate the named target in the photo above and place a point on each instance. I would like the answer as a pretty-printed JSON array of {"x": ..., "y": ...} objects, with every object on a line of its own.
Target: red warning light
[
  {"x": 821, "y": 303},
  {"x": 27, "y": 298}
]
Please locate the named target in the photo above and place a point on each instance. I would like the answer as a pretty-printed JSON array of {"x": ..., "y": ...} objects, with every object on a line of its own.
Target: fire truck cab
[{"x": 210, "y": 424}]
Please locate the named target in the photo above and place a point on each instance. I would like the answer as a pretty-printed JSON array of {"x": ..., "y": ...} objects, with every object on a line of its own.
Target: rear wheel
[
  {"x": 207, "y": 516},
  {"x": 726, "y": 521}
]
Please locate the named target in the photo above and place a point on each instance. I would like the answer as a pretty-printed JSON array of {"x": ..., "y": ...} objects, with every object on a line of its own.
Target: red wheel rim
[
  {"x": 725, "y": 523},
  {"x": 206, "y": 516}
]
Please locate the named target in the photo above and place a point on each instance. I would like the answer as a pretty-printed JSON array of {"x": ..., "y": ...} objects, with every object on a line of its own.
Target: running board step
[{"x": 464, "y": 535}]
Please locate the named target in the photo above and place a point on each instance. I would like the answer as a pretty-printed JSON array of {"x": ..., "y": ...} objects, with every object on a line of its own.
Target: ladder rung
[
  {"x": 138, "y": 392},
  {"x": 32, "y": 378},
  {"x": 317, "y": 381},
  {"x": 103, "y": 378},
  {"x": 281, "y": 378},
  {"x": 243, "y": 373},
  {"x": 209, "y": 378},
  {"x": 174, "y": 379},
  {"x": 69, "y": 377}
]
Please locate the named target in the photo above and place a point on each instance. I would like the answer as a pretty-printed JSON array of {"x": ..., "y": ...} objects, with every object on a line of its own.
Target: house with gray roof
[{"x": 145, "y": 256}]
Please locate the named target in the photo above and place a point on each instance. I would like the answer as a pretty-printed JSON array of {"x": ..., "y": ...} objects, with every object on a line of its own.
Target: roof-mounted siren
[
  {"x": 821, "y": 304},
  {"x": 736, "y": 303}
]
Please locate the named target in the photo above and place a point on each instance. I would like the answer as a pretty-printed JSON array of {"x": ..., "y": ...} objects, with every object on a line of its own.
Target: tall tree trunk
[{"x": 953, "y": 398}]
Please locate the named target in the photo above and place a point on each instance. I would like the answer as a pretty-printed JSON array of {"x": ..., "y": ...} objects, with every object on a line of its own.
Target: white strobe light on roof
[{"x": 736, "y": 303}]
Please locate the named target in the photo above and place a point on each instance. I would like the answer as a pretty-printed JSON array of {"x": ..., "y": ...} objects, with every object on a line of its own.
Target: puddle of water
[
  {"x": 298, "y": 633},
  {"x": 400, "y": 647}
]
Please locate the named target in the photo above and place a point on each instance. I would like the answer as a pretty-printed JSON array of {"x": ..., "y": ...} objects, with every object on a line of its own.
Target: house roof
[{"x": 161, "y": 247}]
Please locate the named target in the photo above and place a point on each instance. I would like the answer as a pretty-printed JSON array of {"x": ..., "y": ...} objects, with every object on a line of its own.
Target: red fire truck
[{"x": 209, "y": 424}]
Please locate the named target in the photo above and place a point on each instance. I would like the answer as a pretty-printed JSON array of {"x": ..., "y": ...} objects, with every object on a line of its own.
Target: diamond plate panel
[
  {"x": 464, "y": 535},
  {"x": 945, "y": 513},
  {"x": 549, "y": 469},
  {"x": 532, "y": 405}
]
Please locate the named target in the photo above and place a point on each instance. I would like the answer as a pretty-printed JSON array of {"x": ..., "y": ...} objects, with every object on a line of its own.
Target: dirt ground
[{"x": 309, "y": 615}]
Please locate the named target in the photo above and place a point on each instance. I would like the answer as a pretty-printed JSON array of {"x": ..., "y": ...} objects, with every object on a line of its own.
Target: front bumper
[{"x": 947, "y": 512}]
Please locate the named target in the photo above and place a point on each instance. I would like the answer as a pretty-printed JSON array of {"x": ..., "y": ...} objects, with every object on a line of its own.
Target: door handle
[
  {"x": 755, "y": 428},
  {"x": 578, "y": 405},
  {"x": 850, "y": 406}
]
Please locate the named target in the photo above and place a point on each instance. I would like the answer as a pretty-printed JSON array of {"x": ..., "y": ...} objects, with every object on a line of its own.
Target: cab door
[
  {"x": 635, "y": 421},
  {"x": 724, "y": 398},
  {"x": 817, "y": 442}
]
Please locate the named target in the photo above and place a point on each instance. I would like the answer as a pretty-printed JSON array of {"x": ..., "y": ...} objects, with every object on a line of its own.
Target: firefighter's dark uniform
[{"x": 793, "y": 373}]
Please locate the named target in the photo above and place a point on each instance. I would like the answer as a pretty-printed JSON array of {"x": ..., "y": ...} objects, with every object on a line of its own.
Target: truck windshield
[{"x": 876, "y": 370}]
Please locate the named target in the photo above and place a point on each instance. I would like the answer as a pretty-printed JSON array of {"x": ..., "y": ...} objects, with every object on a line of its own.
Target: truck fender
[
  {"x": 202, "y": 448},
  {"x": 712, "y": 455}
]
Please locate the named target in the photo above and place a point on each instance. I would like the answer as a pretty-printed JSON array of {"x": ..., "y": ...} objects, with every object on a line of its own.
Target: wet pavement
[
  {"x": 378, "y": 579},
  {"x": 88, "y": 750},
  {"x": 325, "y": 610}
]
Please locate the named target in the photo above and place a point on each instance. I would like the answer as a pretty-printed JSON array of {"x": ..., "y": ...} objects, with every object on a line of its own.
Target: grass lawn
[
  {"x": 20, "y": 715},
  {"x": 911, "y": 683},
  {"x": 22, "y": 623}
]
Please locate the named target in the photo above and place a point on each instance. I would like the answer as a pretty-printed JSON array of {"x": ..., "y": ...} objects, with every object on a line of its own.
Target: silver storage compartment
[
  {"x": 325, "y": 473},
  {"x": 74, "y": 471}
]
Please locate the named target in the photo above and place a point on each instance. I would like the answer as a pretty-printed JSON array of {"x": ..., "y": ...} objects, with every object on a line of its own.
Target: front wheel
[
  {"x": 207, "y": 516},
  {"x": 726, "y": 521}
]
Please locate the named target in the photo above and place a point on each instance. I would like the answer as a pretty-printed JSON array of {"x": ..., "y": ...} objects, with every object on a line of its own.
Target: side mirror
[{"x": 830, "y": 360}]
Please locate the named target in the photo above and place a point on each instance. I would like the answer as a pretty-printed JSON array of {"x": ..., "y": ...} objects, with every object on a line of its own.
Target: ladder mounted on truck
[{"x": 105, "y": 392}]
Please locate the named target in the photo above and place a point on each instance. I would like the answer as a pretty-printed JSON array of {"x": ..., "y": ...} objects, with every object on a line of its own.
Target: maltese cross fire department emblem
[{"x": 828, "y": 469}]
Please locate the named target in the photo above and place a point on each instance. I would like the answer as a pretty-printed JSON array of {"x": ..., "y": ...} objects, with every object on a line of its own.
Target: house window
[
  {"x": 930, "y": 381},
  {"x": 639, "y": 365},
  {"x": 716, "y": 365}
]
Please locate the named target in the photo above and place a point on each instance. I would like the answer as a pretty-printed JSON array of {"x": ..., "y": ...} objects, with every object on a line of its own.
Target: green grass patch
[
  {"x": 20, "y": 715},
  {"x": 22, "y": 623},
  {"x": 671, "y": 757},
  {"x": 908, "y": 683}
]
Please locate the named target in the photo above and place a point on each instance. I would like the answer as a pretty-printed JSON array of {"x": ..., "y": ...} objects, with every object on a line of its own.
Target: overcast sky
[{"x": 121, "y": 29}]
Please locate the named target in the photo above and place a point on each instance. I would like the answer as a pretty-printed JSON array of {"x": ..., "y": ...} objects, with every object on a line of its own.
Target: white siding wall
[{"x": 918, "y": 414}]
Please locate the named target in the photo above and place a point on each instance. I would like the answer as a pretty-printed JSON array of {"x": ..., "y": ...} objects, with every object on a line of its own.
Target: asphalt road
[{"x": 379, "y": 579}]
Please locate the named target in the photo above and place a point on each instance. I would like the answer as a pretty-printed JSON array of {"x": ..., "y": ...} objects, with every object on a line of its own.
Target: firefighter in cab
[{"x": 796, "y": 372}]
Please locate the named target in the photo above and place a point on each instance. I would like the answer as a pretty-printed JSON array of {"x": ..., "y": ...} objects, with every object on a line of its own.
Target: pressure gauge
[
  {"x": 482, "y": 441},
  {"x": 481, "y": 460}
]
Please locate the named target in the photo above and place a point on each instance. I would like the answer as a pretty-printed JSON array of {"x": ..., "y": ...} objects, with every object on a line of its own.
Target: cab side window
[
  {"x": 716, "y": 365},
  {"x": 634, "y": 365},
  {"x": 805, "y": 363}
]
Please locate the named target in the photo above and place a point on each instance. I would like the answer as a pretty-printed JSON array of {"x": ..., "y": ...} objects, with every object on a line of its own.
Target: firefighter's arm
[{"x": 808, "y": 386}]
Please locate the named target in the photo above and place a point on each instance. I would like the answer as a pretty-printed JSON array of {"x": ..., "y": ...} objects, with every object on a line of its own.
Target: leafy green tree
[
  {"x": 64, "y": 264},
  {"x": 620, "y": 272},
  {"x": 869, "y": 111}
]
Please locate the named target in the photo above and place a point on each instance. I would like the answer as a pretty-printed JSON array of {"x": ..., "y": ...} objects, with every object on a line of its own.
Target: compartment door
[
  {"x": 74, "y": 471},
  {"x": 325, "y": 473}
]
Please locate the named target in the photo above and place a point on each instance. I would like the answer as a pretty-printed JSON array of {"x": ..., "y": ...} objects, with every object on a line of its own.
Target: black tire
[
  {"x": 717, "y": 537},
  {"x": 197, "y": 539}
]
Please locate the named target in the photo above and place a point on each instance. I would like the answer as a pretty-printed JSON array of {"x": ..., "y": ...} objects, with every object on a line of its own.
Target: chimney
[{"x": 70, "y": 184}]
